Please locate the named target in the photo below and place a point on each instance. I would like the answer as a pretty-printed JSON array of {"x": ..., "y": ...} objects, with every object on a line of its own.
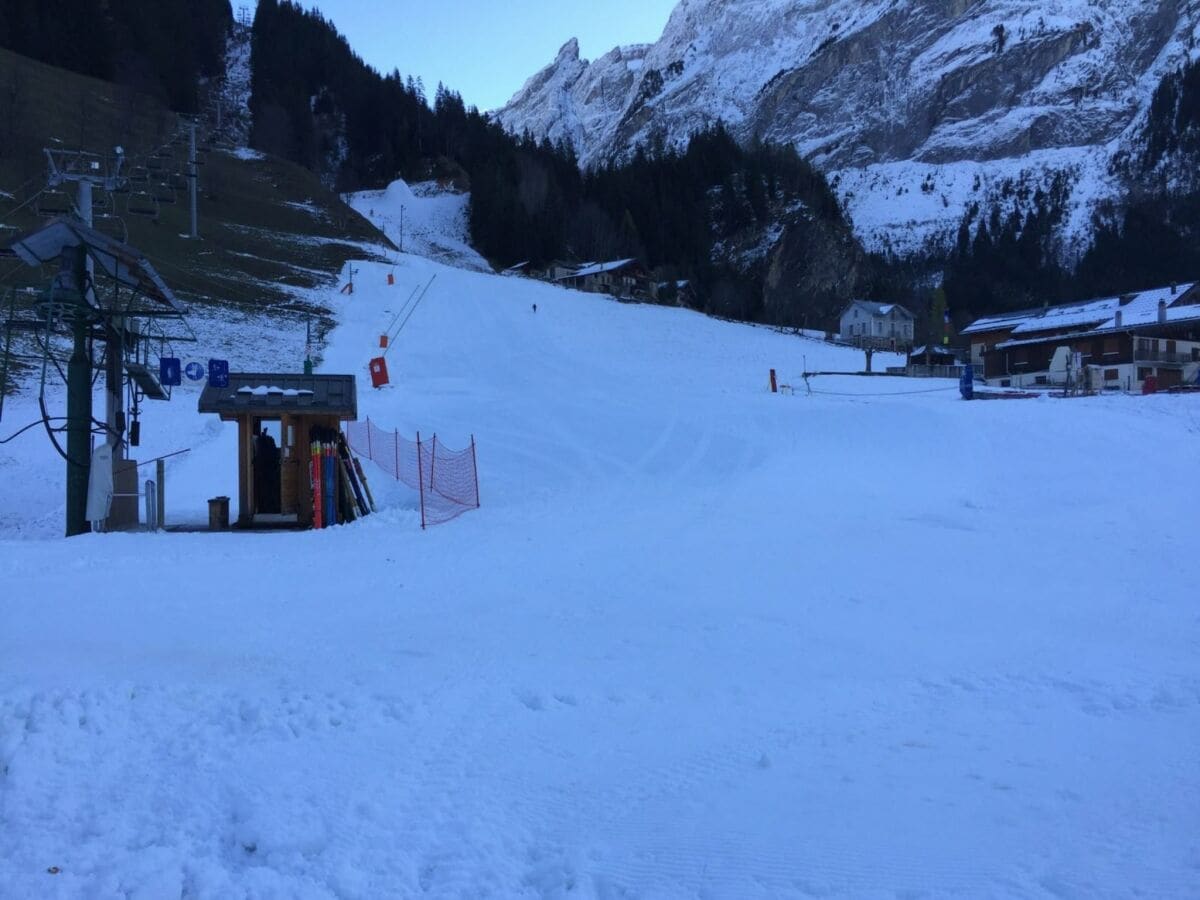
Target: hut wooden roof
[{"x": 269, "y": 394}]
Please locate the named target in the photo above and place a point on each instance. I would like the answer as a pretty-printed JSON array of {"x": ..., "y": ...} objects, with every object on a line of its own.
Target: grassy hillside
[{"x": 265, "y": 224}]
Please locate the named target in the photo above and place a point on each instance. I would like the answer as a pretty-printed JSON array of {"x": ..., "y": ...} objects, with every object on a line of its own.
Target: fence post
[
  {"x": 161, "y": 475},
  {"x": 370, "y": 452},
  {"x": 397, "y": 448},
  {"x": 432, "y": 460},
  {"x": 420, "y": 481},
  {"x": 151, "y": 506},
  {"x": 475, "y": 471}
]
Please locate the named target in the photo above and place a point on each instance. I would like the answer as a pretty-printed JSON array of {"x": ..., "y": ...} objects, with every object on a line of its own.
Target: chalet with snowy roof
[
  {"x": 555, "y": 270},
  {"x": 936, "y": 354},
  {"x": 866, "y": 323},
  {"x": 622, "y": 278},
  {"x": 1109, "y": 343},
  {"x": 932, "y": 361}
]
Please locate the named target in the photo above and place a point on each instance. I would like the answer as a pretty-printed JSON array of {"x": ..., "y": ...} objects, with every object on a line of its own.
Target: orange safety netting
[{"x": 447, "y": 480}]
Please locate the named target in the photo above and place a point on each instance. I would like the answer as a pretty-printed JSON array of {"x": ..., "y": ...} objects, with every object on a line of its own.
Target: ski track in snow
[{"x": 698, "y": 641}]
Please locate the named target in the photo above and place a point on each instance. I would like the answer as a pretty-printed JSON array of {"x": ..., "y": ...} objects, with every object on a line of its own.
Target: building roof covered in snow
[
  {"x": 871, "y": 308},
  {"x": 936, "y": 350},
  {"x": 261, "y": 394},
  {"x": 594, "y": 268},
  {"x": 1005, "y": 320},
  {"x": 1100, "y": 314}
]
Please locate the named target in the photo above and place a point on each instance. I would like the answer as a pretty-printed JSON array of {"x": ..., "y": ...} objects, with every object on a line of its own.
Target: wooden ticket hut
[{"x": 297, "y": 403}]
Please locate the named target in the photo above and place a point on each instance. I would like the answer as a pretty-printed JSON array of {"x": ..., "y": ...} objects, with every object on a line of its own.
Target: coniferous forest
[
  {"x": 684, "y": 213},
  {"x": 1150, "y": 238},
  {"x": 160, "y": 47}
]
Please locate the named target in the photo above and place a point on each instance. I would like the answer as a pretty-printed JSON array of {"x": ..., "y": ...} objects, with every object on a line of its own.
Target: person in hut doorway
[
  {"x": 260, "y": 470},
  {"x": 273, "y": 491},
  {"x": 266, "y": 473}
]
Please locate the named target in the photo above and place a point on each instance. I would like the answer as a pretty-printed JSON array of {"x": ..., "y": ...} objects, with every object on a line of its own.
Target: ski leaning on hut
[{"x": 339, "y": 489}]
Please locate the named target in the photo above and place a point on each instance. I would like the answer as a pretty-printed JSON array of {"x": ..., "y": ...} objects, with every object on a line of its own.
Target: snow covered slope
[
  {"x": 699, "y": 640},
  {"x": 423, "y": 219},
  {"x": 901, "y": 100}
]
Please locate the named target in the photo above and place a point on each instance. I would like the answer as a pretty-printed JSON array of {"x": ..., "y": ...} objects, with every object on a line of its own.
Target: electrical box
[{"x": 379, "y": 372}]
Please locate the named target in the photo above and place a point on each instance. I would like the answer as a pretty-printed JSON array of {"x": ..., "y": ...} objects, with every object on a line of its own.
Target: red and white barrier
[{"x": 447, "y": 480}]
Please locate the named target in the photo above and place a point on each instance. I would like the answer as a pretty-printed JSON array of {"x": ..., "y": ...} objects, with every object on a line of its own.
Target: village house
[
  {"x": 622, "y": 278},
  {"x": 933, "y": 361},
  {"x": 1109, "y": 343},
  {"x": 887, "y": 326},
  {"x": 555, "y": 270}
]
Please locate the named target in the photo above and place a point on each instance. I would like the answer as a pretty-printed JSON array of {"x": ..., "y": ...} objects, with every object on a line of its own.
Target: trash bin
[{"x": 218, "y": 514}]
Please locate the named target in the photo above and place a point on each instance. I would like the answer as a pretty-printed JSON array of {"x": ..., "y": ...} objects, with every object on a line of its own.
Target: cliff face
[{"x": 915, "y": 109}]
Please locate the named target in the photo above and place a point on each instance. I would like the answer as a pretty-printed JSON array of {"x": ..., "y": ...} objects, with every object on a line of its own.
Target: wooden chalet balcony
[
  {"x": 1162, "y": 357},
  {"x": 890, "y": 343}
]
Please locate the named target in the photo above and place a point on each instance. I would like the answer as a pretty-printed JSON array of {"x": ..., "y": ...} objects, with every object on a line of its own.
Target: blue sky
[{"x": 485, "y": 49}]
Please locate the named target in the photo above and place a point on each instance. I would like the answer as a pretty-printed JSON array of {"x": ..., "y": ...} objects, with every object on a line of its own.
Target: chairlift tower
[
  {"x": 74, "y": 307},
  {"x": 119, "y": 301},
  {"x": 192, "y": 174},
  {"x": 87, "y": 171}
]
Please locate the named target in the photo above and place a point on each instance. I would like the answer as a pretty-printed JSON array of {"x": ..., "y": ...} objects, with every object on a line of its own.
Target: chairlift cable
[
  {"x": 227, "y": 291},
  {"x": 15, "y": 210},
  {"x": 46, "y": 420},
  {"x": 15, "y": 268},
  {"x": 392, "y": 339},
  {"x": 33, "y": 180},
  {"x": 34, "y": 424},
  {"x": 403, "y": 307},
  {"x": 47, "y": 352}
]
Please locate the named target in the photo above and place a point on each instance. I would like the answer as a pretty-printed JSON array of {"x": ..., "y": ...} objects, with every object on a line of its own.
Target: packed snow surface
[
  {"x": 423, "y": 219},
  {"x": 699, "y": 640}
]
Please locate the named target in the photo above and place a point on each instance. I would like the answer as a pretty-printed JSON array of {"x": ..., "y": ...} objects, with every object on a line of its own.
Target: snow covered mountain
[{"x": 915, "y": 108}]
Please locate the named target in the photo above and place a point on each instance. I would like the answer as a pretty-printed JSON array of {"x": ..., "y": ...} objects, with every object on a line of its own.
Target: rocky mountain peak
[{"x": 916, "y": 109}]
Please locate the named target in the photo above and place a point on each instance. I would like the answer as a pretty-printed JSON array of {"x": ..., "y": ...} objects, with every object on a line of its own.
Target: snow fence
[{"x": 447, "y": 480}]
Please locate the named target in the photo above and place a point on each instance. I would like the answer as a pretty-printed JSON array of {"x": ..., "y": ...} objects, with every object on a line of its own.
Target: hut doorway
[
  {"x": 275, "y": 471},
  {"x": 266, "y": 467}
]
